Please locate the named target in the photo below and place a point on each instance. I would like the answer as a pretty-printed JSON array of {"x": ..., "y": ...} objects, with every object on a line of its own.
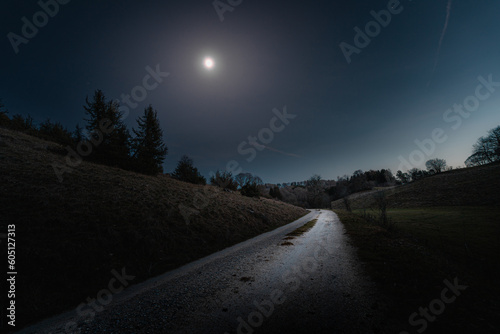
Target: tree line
[
  {"x": 246, "y": 183},
  {"x": 144, "y": 152},
  {"x": 486, "y": 150},
  {"x": 434, "y": 166}
]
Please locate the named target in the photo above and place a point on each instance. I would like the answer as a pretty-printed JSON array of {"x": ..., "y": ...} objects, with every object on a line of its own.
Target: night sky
[{"x": 268, "y": 56}]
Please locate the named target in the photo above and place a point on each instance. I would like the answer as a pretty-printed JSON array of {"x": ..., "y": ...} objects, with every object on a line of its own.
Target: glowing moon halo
[{"x": 209, "y": 63}]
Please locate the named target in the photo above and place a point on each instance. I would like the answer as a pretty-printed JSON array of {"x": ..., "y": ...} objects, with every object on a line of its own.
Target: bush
[
  {"x": 187, "y": 173},
  {"x": 250, "y": 190},
  {"x": 19, "y": 123},
  {"x": 55, "y": 132},
  {"x": 224, "y": 180}
]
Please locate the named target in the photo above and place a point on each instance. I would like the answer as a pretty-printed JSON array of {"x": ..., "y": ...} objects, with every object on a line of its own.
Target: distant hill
[
  {"x": 476, "y": 186},
  {"x": 71, "y": 234}
]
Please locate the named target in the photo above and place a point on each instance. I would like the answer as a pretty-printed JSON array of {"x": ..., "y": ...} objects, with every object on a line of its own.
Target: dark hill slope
[
  {"x": 71, "y": 234},
  {"x": 477, "y": 186}
]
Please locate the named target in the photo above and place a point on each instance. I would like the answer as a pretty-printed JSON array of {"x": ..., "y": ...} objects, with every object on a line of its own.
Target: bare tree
[
  {"x": 314, "y": 189},
  {"x": 224, "y": 180},
  {"x": 486, "y": 150},
  {"x": 436, "y": 165},
  {"x": 247, "y": 178},
  {"x": 494, "y": 137}
]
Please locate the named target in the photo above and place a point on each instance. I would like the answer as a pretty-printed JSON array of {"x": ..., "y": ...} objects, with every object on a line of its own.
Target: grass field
[
  {"x": 463, "y": 232},
  {"x": 427, "y": 246},
  {"x": 476, "y": 186}
]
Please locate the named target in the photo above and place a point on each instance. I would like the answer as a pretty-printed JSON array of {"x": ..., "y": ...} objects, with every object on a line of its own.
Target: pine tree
[
  {"x": 187, "y": 173},
  {"x": 224, "y": 180},
  {"x": 148, "y": 146},
  {"x": 55, "y": 132},
  {"x": 109, "y": 147},
  {"x": 118, "y": 147},
  {"x": 96, "y": 110},
  {"x": 4, "y": 119},
  {"x": 20, "y": 123},
  {"x": 78, "y": 134}
]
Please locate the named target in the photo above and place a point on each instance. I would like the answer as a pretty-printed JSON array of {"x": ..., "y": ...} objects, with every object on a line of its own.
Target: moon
[{"x": 209, "y": 63}]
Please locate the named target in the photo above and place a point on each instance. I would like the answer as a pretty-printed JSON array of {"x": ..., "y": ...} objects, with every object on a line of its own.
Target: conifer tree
[
  {"x": 78, "y": 134},
  {"x": 187, "y": 173},
  {"x": 148, "y": 146},
  {"x": 4, "y": 119},
  {"x": 108, "y": 134}
]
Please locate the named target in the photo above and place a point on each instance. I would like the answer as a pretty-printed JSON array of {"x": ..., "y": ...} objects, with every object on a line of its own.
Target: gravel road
[{"x": 314, "y": 285}]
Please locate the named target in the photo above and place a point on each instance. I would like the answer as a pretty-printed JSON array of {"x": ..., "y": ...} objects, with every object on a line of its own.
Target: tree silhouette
[
  {"x": 247, "y": 178},
  {"x": 250, "y": 190},
  {"x": 314, "y": 190},
  {"x": 486, "y": 150},
  {"x": 96, "y": 110},
  {"x": 108, "y": 133},
  {"x": 148, "y": 146},
  {"x": 403, "y": 177},
  {"x": 78, "y": 134},
  {"x": 55, "y": 132},
  {"x": 417, "y": 174},
  {"x": 20, "y": 123},
  {"x": 275, "y": 192},
  {"x": 224, "y": 180},
  {"x": 249, "y": 184},
  {"x": 436, "y": 165},
  {"x": 187, "y": 173},
  {"x": 4, "y": 119},
  {"x": 494, "y": 137}
]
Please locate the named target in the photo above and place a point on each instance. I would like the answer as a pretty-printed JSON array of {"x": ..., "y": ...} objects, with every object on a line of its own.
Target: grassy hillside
[
  {"x": 71, "y": 234},
  {"x": 475, "y": 186},
  {"x": 442, "y": 227}
]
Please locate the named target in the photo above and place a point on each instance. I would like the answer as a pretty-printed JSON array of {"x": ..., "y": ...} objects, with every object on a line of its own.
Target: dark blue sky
[{"x": 359, "y": 115}]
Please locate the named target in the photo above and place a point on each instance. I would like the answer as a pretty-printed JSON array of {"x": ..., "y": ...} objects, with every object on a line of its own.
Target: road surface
[{"x": 314, "y": 285}]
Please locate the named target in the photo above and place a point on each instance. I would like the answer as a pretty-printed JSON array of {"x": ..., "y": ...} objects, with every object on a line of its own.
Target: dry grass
[
  {"x": 410, "y": 264},
  {"x": 287, "y": 243},
  {"x": 303, "y": 229},
  {"x": 475, "y": 186},
  {"x": 72, "y": 234},
  {"x": 298, "y": 232},
  {"x": 446, "y": 227}
]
